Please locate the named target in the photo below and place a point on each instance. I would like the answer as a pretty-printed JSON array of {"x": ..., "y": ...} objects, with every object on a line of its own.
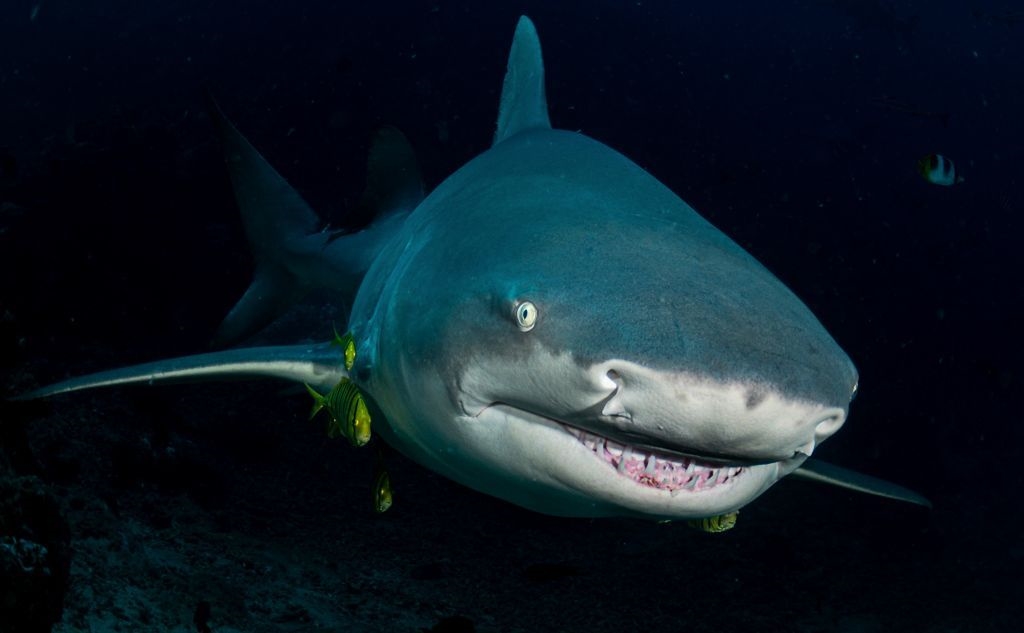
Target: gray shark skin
[{"x": 551, "y": 326}]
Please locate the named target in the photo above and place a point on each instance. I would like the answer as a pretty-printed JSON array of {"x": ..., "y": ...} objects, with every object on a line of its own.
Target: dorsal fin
[
  {"x": 393, "y": 180},
  {"x": 523, "y": 104}
]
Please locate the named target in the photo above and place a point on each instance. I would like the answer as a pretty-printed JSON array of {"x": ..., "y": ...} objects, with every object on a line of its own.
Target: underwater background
[{"x": 795, "y": 127}]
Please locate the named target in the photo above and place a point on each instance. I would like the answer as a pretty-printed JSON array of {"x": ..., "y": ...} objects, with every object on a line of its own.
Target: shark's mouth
[{"x": 675, "y": 473}]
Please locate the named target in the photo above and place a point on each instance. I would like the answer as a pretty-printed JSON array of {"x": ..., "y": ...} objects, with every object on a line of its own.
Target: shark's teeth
[
  {"x": 624, "y": 460},
  {"x": 652, "y": 463},
  {"x": 614, "y": 448},
  {"x": 657, "y": 470}
]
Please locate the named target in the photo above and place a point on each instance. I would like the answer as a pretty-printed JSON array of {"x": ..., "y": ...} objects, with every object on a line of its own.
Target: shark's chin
[{"x": 566, "y": 471}]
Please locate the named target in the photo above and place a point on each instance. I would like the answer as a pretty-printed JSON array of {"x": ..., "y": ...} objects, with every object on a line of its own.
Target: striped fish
[
  {"x": 347, "y": 411},
  {"x": 715, "y": 524}
]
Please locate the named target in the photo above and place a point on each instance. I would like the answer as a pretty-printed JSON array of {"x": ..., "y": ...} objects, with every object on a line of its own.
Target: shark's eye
[{"x": 525, "y": 314}]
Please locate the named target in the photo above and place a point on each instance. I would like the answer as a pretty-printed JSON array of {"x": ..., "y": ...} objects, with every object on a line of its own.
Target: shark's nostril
[
  {"x": 610, "y": 379},
  {"x": 829, "y": 424},
  {"x": 613, "y": 406}
]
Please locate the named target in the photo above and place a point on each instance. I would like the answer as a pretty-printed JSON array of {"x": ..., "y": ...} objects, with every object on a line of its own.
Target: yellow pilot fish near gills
[
  {"x": 347, "y": 410},
  {"x": 716, "y": 524}
]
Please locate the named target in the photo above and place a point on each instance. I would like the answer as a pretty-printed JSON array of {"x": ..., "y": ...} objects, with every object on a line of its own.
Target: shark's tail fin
[
  {"x": 292, "y": 254},
  {"x": 523, "y": 103},
  {"x": 276, "y": 220}
]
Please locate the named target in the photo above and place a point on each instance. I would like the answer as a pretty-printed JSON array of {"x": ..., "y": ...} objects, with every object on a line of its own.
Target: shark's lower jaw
[
  {"x": 674, "y": 473},
  {"x": 551, "y": 466}
]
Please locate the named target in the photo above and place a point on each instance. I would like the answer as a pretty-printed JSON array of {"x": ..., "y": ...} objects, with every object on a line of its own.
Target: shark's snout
[{"x": 688, "y": 413}]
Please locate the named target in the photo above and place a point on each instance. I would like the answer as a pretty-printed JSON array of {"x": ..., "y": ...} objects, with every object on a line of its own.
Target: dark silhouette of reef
[{"x": 35, "y": 554}]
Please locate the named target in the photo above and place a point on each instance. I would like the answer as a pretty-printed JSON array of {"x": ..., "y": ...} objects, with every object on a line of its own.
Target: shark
[{"x": 550, "y": 325}]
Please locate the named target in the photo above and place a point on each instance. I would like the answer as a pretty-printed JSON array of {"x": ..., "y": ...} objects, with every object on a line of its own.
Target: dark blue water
[{"x": 795, "y": 127}]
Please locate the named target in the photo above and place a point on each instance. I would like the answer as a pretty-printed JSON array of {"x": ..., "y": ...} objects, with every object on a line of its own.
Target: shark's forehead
[{"x": 618, "y": 267}]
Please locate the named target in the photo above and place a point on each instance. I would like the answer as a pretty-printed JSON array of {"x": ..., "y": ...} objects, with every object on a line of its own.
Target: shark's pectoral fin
[
  {"x": 817, "y": 470},
  {"x": 321, "y": 365},
  {"x": 523, "y": 104}
]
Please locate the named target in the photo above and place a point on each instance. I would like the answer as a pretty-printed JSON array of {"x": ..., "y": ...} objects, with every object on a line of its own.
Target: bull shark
[{"x": 551, "y": 326}]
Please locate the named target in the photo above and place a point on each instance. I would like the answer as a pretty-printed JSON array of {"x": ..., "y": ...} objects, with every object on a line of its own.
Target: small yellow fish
[
  {"x": 348, "y": 344},
  {"x": 382, "y": 498},
  {"x": 347, "y": 411},
  {"x": 717, "y": 524}
]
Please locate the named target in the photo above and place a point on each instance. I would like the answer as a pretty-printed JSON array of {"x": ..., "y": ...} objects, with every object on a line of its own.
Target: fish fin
[
  {"x": 318, "y": 401},
  {"x": 817, "y": 470},
  {"x": 272, "y": 211},
  {"x": 272, "y": 291},
  {"x": 523, "y": 103},
  {"x": 279, "y": 227},
  {"x": 292, "y": 254},
  {"x": 320, "y": 365},
  {"x": 393, "y": 180}
]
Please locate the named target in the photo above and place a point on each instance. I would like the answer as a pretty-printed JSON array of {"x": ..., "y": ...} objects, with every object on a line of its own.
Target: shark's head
[{"x": 591, "y": 346}]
